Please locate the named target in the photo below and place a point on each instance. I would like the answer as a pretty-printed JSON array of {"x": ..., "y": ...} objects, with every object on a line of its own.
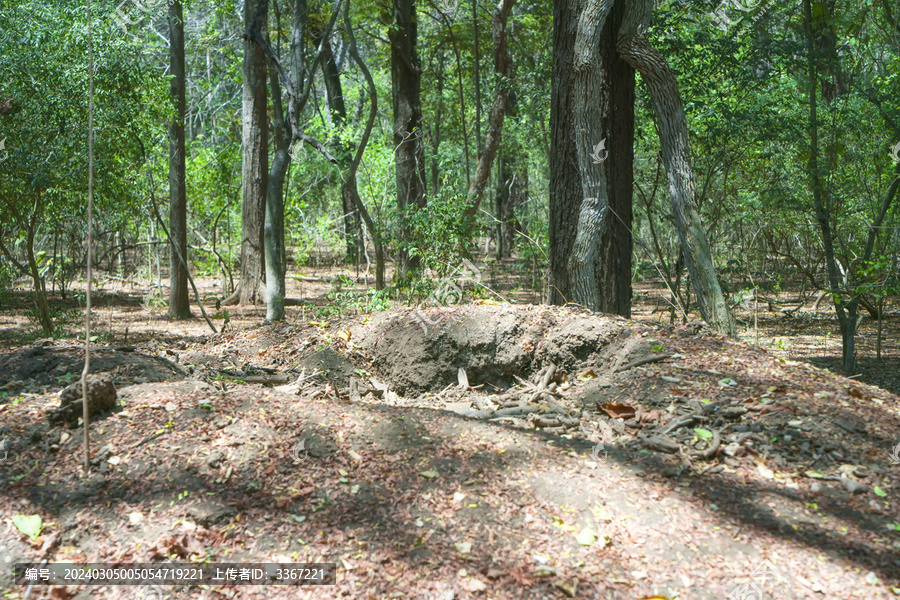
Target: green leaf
[
  {"x": 29, "y": 525},
  {"x": 657, "y": 348},
  {"x": 880, "y": 492},
  {"x": 703, "y": 434},
  {"x": 586, "y": 536}
]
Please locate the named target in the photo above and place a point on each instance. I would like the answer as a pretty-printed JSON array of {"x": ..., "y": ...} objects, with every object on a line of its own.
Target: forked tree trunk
[
  {"x": 672, "y": 124},
  {"x": 179, "y": 301},
  {"x": 338, "y": 110}
]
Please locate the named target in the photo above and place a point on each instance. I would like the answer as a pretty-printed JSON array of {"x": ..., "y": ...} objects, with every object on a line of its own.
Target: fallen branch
[
  {"x": 711, "y": 449},
  {"x": 643, "y": 361}
]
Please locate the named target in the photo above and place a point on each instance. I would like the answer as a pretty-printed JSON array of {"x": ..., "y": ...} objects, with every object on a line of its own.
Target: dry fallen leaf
[
  {"x": 617, "y": 411},
  {"x": 568, "y": 586}
]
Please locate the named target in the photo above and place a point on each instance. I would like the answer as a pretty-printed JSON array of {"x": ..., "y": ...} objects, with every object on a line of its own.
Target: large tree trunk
[
  {"x": 409, "y": 145},
  {"x": 254, "y": 166},
  {"x": 616, "y": 244},
  {"x": 274, "y": 226},
  {"x": 591, "y": 89},
  {"x": 179, "y": 302},
  {"x": 592, "y": 122},
  {"x": 672, "y": 124},
  {"x": 565, "y": 178}
]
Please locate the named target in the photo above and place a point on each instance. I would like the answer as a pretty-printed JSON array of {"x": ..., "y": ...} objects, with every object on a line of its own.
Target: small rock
[
  {"x": 208, "y": 514},
  {"x": 852, "y": 486}
]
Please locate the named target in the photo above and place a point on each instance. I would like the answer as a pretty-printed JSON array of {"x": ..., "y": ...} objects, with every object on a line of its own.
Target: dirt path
[{"x": 413, "y": 500}]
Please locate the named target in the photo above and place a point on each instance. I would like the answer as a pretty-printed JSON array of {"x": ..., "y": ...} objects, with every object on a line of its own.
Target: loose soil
[{"x": 366, "y": 457}]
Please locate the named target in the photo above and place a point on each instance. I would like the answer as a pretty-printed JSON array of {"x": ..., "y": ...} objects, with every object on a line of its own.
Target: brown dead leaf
[{"x": 617, "y": 411}]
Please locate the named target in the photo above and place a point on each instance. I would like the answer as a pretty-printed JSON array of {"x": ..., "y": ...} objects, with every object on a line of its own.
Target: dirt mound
[
  {"x": 421, "y": 351},
  {"x": 48, "y": 368}
]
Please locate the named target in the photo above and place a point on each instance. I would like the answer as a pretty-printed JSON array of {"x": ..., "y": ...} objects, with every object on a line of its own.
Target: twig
[{"x": 643, "y": 361}]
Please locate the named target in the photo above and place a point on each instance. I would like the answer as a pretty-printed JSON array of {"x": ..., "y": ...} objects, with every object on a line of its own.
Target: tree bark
[
  {"x": 616, "y": 245},
  {"x": 409, "y": 162},
  {"x": 254, "y": 166},
  {"x": 591, "y": 89},
  {"x": 498, "y": 109},
  {"x": 672, "y": 124},
  {"x": 592, "y": 134},
  {"x": 565, "y": 178},
  {"x": 846, "y": 310},
  {"x": 274, "y": 225},
  {"x": 338, "y": 110},
  {"x": 179, "y": 301}
]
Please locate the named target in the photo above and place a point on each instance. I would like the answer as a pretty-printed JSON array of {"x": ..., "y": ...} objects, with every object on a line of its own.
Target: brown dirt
[{"x": 395, "y": 491}]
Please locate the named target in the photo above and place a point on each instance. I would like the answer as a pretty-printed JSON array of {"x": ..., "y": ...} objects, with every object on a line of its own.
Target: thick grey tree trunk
[
  {"x": 254, "y": 165},
  {"x": 179, "y": 301},
  {"x": 591, "y": 111},
  {"x": 672, "y": 124},
  {"x": 592, "y": 122}
]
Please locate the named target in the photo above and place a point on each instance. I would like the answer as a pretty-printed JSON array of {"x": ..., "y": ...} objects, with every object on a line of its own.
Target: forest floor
[{"x": 573, "y": 456}]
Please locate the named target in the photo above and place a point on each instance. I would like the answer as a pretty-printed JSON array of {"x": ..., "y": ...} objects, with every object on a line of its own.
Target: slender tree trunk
[
  {"x": 363, "y": 142},
  {"x": 438, "y": 118},
  {"x": 179, "y": 301},
  {"x": 846, "y": 309},
  {"x": 409, "y": 145},
  {"x": 498, "y": 109},
  {"x": 274, "y": 226},
  {"x": 672, "y": 124},
  {"x": 338, "y": 110},
  {"x": 254, "y": 167}
]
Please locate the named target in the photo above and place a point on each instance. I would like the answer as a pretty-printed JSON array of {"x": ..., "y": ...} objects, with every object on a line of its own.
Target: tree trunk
[
  {"x": 364, "y": 140},
  {"x": 616, "y": 246},
  {"x": 409, "y": 145},
  {"x": 591, "y": 89},
  {"x": 254, "y": 166},
  {"x": 179, "y": 301},
  {"x": 846, "y": 310},
  {"x": 338, "y": 110},
  {"x": 565, "y": 179},
  {"x": 274, "y": 226},
  {"x": 592, "y": 124},
  {"x": 672, "y": 124},
  {"x": 498, "y": 109}
]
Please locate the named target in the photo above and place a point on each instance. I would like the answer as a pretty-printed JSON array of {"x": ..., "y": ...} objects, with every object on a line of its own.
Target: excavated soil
[{"x": 687, "y": 466}]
